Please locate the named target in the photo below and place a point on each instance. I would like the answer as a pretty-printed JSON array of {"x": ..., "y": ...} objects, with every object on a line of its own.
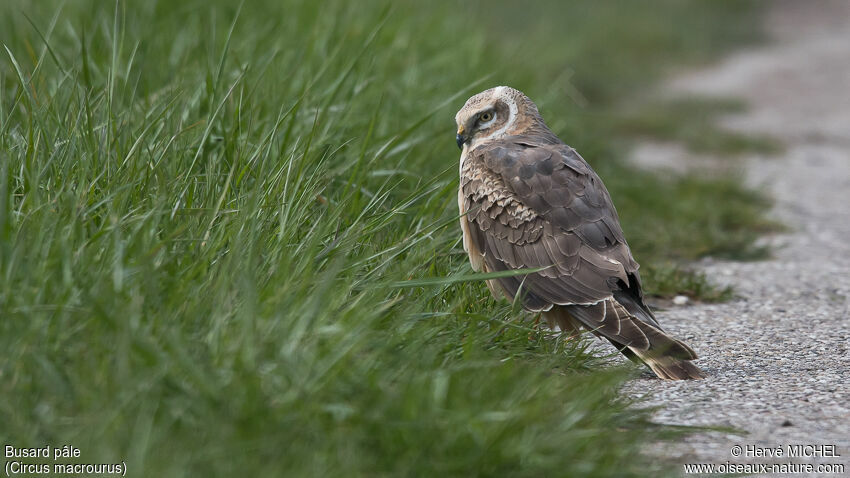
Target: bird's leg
[
  {"x": 534, "y": 327},
  {"x": 569, "y": 327},
  {"x": 574, "y": 334}
]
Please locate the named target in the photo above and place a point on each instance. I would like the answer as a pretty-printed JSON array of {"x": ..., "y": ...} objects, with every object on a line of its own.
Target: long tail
[
  {"x": 638, "y": 340},
  {"x": 669, "y": 368},
  {"x": 668, "y": 357}
]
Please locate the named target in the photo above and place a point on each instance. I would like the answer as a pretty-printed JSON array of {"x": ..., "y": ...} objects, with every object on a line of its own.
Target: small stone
[
  {"x": 787, "y": 423},
  {"x": 680, "y": 300}
]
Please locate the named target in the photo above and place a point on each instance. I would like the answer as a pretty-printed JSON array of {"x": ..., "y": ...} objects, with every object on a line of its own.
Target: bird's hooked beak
[{"x": 461, "y": 137}]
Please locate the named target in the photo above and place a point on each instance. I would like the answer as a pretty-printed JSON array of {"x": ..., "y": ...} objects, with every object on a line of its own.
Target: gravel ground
[{"x": 778, "y": 358}]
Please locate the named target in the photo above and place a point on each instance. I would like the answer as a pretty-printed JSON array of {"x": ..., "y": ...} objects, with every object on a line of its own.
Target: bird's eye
[{"x": 485, "y": 117}]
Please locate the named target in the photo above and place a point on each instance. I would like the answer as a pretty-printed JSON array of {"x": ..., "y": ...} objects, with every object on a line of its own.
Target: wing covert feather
[{"x": 540, "y": 205}]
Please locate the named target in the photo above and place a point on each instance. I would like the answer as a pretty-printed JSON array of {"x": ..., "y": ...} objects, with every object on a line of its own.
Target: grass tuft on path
[{"x": 693, "y": 122}]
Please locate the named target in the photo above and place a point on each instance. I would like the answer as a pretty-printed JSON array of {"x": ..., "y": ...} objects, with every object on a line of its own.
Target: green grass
[{"x": 208, "y": 214}]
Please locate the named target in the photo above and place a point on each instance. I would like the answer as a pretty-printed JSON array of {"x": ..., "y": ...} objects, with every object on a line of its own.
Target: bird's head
[{"x": 494, "y": 113}]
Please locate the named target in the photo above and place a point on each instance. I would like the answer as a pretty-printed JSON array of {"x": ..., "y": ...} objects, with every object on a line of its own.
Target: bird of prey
[{"x": 529, "y": 201}]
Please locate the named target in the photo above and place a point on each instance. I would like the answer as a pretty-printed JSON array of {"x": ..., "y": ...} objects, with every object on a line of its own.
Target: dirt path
[{"x": 778, "y": 357}]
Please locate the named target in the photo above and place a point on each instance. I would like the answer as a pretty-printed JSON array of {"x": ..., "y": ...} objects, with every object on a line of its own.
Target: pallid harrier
[{"x": 527, "y": 200}]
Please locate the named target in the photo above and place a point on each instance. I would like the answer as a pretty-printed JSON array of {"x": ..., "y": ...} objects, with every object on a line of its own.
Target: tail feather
[
  {"x": 661, "y": 344},
  {"x": 668, "y": 357},
  {"x": 669, "y": 368},
  {"x": 638, "y": 340},
  {"x": 664, "y": 366}
]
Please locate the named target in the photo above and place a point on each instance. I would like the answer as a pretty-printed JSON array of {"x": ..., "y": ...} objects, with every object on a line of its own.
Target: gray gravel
[{"x": 778, "y": 358}]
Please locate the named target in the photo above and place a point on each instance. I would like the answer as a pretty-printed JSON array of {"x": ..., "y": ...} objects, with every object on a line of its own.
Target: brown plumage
[{"x": 527, "y": 200}]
